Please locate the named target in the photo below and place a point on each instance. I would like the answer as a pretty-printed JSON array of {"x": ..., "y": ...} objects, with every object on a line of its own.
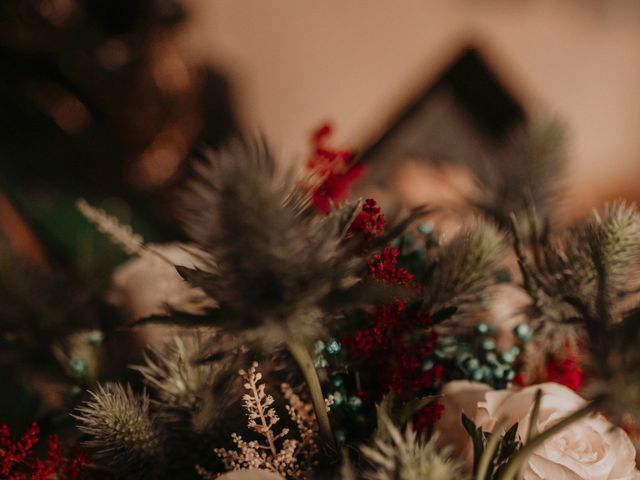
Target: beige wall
[{"x": 295, "y": 63}]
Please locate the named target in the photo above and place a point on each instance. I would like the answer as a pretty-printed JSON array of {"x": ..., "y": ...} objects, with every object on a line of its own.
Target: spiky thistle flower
[
  {"x": 525, "y": 176},
  {"x": 616, "y": 234},
  {"x": 563, "y": 271},
  {"x": 465, "y": 267},
  {"x": 183, "y": 388},
  {"x": 408, "y": 456},
  {"x": 277, "y": 265},
  {"x": 122, "y": 434}
]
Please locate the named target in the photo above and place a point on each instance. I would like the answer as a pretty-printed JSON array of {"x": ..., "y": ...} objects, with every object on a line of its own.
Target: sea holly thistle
[
  {"x": 407, "y": 455},
  {"x": 561, "y": 275},
  {"x": 123, "y": 435}
]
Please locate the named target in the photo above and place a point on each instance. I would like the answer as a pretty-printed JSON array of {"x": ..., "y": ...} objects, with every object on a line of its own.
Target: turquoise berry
[
  {"x": 498, "y": 372},
  {"x": 472, "y": 364},
  {"x": 515, "y": 351},
  {"x": 488, "y": 344},
  {"x": 482, "y": 328},
  {"x": 492, "y": 358},
  {"x": 78, "y": 367},
  {"x": 355, "y": 403},
  {"x": 427, "y": 364},
  {"x": 425, "y": 228},
  {"x": 477, "y": 375},
  {"x": 93, "y": 338},
  {"x": 338, "y": 398},
  {"x": 509, "y": 375},
  {"x": 507, "y": 357},
  {"x": 523, "y": 332},
  {"x": 337, "y": 381},
  {"x": 333, "y": 347},
  {"x": 503, "y": 276},
  {"x": 318, "y": 347},
  {"x": 320, "y": 362}
]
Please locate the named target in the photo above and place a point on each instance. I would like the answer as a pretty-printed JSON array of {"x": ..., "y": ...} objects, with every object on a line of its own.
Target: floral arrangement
[{"x": 305, "y": 335}]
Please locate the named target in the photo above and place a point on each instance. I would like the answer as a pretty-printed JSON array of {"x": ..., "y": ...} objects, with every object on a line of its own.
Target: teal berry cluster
[
  {"x": 346, "y": 407},
  {"x": 478, "y": 359}
]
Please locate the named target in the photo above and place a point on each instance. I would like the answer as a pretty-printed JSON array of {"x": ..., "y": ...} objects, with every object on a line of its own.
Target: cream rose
[
  {"x": 590, "y": 449},
  {"x": 250, "y": 475}
]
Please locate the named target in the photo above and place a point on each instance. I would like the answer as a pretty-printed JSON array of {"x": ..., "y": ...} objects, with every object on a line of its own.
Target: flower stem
[
  {"x": 302, "y": 357},
  {"x": 514, "y": 466}
]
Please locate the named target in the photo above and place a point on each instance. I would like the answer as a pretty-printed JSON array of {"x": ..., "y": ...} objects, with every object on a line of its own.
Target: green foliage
[{"x": 491, "y": 452}]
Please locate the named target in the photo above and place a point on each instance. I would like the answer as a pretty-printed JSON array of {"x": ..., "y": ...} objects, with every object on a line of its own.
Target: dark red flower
[
  {"x": 427, "y": 416},
  {"x": 383, "y": 266},
  {"x": 566, "y": 372},
  {"x": 17, "y": 461},
  {"x": 369, "y": 222},
  {"x": 334, "y": 171}
]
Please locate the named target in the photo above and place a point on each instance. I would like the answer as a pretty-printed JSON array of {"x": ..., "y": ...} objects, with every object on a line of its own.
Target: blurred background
[{"x": 107, "y": 99}]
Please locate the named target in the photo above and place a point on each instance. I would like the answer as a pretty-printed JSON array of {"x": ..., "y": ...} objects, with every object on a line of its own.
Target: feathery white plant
[
  {"x": 120, "y": 234},
  {"x": 293, "y": 458}
]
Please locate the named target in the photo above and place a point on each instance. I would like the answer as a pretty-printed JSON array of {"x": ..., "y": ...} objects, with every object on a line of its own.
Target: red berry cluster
[
  {"x": 566, "y": 371},
  {"x": 18, "y": 463},
  {"x": 397, "y": 341},
  {"x": 335, "y": 171},
  {"x": 369, "y": 222}
]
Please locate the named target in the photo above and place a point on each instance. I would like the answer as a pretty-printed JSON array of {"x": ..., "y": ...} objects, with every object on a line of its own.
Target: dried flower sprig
[
  {"x": 120, "y": 234},
  {"x": 278, "y": 452}
]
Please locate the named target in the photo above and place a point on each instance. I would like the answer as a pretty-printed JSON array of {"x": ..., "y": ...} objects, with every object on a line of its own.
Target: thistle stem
[
  {"x": 514, "y": 466},
  {"x": 305, "y": 362}
]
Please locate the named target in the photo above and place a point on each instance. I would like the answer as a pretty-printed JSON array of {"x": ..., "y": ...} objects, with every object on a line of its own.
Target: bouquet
[{"x": 303, "y": 335}]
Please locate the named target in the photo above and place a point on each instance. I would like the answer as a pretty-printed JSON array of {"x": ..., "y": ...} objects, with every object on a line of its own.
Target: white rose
[
  {"x": 146, "y": 284},
  {"x": 250, "y": 475},
  {"x": 589, "y": 449}
]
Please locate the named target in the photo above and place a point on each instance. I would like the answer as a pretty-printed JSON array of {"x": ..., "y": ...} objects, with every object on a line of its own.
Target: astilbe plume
[
  {"x": 18, "y": 462},
  {"x": 279, "y": 452},
  {"x": 123, "y": 436}
]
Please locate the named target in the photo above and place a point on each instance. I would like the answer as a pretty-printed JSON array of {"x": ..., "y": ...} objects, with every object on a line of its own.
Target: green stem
[
  {"x": 305, "y": 362},
  {"x": 489, "y": 451},
  {"x": 513, "y": 468}
]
